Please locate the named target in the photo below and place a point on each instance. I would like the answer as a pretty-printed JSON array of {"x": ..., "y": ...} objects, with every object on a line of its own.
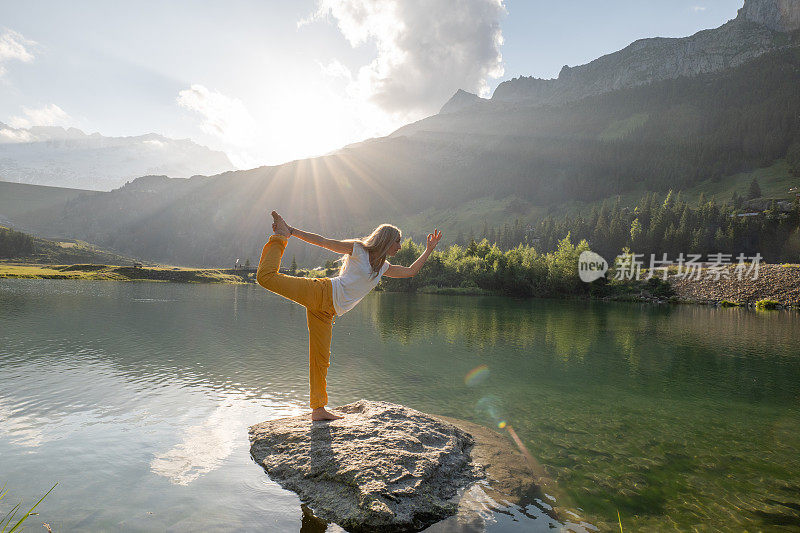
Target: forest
[
  {"x": 542, "y": 260},
  {"x": 15, "y": 243},
  {"x": 665, "y": 224}
]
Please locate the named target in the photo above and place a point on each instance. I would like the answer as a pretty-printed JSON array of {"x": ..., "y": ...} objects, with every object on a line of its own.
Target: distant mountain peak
[
  {"x": 55, "y": 133},
  {"x": 460, "y": 100},
  {"x": 68, "y": 157}
]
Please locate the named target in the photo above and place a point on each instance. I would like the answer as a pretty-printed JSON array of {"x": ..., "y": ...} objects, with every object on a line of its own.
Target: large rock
[{"x": 385, "y": 467}]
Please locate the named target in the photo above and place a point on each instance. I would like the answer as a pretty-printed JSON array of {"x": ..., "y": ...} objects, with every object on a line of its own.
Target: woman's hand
[
  {"x": 433, "y": 239},
  {"x": 279, "y": 226}
]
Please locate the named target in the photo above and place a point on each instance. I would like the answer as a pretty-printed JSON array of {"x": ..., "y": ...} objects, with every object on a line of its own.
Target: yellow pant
[{"x": 316, "y": 295}]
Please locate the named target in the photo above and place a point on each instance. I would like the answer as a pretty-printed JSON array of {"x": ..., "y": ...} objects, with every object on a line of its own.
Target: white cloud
[
  {"x": 223, "y": 117},
  {"x": 335, "y": 69},
  {"x": 697, "y": 9},
  {"x": 49, "y": 115},
  {"x": 426, "y": 50},
  {"x": 154, "y": 143},
  {"x": 13, "y": 46}
]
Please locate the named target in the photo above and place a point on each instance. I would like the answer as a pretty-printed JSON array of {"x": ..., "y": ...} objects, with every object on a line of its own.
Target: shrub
[{"x": 767, "y": 304}]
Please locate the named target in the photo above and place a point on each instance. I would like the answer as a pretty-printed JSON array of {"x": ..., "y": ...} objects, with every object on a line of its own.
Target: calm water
[{"x": 136, "y": 398}]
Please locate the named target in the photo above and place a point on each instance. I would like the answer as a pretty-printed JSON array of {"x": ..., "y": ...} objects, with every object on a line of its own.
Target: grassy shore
[
  {"x": 778, "y": 283},
  {"x": 118, "y": 273}
]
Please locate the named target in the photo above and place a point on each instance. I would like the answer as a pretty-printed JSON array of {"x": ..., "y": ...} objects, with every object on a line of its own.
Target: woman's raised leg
[{"x": 305, "y": 291}]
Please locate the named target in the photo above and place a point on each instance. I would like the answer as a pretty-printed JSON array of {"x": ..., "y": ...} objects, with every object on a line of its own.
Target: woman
[{"x": 364, "y": 263}]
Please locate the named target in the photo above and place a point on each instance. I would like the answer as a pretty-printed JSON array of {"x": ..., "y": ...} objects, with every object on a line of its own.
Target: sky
[{"x": 268, "y": 81}]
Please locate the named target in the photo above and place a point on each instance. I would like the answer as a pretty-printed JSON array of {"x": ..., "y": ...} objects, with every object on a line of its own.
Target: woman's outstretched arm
[
  {"x": 280, "y": 226},
  {"x": 397, "y": 271},
  {"x": 340, "y": 247}
]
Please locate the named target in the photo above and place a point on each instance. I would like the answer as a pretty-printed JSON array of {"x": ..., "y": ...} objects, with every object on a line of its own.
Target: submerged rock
[{"x": 383, "y": 467}]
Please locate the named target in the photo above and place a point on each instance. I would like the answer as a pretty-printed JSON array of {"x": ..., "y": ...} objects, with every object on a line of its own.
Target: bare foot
[
  {"x": 279, "y": 226},
  {"x": 321, "y": 414}
]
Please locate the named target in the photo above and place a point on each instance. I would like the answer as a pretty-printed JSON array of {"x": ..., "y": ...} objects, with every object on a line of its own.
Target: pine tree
[
  {"x": 618, "y": 230},
  {"x": 668, "y": 201},
  {"x": 754, "y": 191},
  {"x": 696, "y": 242},
  {"x": 636, "y": 232},
  {"x": 670, "y": 238},
  {"x": 505, "y": 239},
  {"x": 719, "y": 241},
  {"x": 736, "y": 200}
]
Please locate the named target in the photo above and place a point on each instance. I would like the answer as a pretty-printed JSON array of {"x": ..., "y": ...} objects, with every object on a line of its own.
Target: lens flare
[
  {"x": 489, "y": 407},
  {"x": 476, "y": 376}
]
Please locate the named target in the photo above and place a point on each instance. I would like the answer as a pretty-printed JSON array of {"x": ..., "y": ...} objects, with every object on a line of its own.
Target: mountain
[
  {"x": 461, "y": 100},
  {"x": 760, "y": 26},
  {"x": 505, "y": 159},
  {"x": 523, "y": 161},
  {"x": 70, "y": 158}
]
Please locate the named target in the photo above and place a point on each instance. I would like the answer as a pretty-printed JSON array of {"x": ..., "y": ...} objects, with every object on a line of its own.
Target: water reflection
[
  {"x": 651, "y": 344},
  {"x": 20, "y": 429},
  {"x": 205, "y": 446},
  {"x": 478, "y": 512},
  {"x": 668, "y": 414}
]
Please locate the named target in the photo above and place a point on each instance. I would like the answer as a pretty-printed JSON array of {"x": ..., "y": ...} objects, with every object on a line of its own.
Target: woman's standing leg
[{"x": 320, "y": 332}]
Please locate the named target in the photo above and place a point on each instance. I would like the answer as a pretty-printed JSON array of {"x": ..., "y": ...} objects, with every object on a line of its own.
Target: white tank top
[{"x": 356, "y": 281}]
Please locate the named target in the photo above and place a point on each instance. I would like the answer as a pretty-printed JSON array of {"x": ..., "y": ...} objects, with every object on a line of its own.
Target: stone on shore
[
  {"x": 383, "y": 467},
  {"x": 774, "y": 282}
]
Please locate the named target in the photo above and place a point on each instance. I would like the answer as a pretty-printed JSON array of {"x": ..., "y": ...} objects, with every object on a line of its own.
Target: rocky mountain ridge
[
  {"x": 778, "y": 15},
  {"x": 759, "y": 27}
]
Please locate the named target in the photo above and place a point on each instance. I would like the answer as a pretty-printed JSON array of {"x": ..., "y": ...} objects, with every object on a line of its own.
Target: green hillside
[{"x": 17, "y": 246}]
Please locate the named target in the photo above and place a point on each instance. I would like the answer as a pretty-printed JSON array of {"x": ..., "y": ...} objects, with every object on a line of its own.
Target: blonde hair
[{"x": 377, "y": 245}]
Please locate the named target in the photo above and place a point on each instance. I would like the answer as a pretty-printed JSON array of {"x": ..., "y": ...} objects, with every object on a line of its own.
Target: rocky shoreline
[{"x": 780, "y": 283}]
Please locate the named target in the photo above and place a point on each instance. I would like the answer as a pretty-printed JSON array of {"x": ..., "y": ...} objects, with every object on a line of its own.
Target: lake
[{"x": 136, "y": 399}]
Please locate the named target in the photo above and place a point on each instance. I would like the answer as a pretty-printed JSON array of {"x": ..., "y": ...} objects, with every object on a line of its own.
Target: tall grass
[{"x": 5, "y": 522}]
